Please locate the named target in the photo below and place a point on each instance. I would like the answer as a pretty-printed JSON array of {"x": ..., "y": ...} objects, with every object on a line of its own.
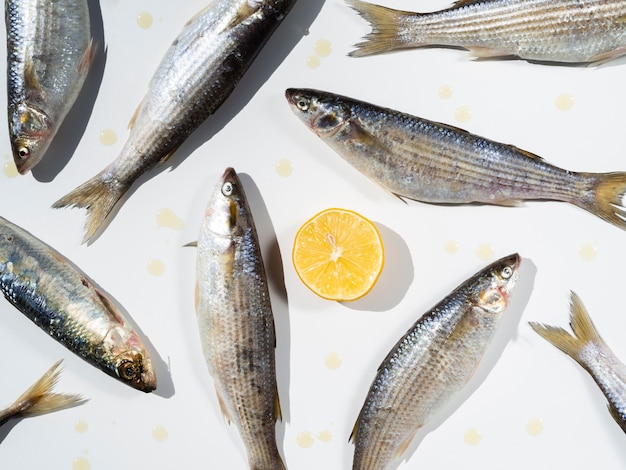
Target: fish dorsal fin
[
  {"x": 277, "y": 410},
  {"x": 464, "y": 3},
  {"x": 405, "y": 444},
  {"x": 355, "y": 429},
  {"x": 528, "y": 154},
  {"x": 246, "y": 10},
  {"x": 88, "y": 57},
  {"x": 223, "y": 406}
]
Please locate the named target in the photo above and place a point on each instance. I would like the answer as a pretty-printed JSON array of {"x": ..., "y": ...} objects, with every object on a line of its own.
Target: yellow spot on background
[
  {"x": 313, "y": 61},
  {"x": 564, "y": 101},
  {"x": 588, "y": 251},
  {"x": 323, "y": 48},
  {"x": 534, "y": 427},
  {"x": 159, "y": 433},
  {"x": 485, "y": 251},
  {"x": 284, "y": 167},
  {"x": 167, "y": 218},
  {"x": 144, "y": 20},
  {"x": 305, "y": 440},
  {"x": 463, "y": 114},
  {"x": 81, "y": 426},
  {"x": 445, "y": 92},
  {"x": 451, "y": 247},
  {"x": 108, "y": 137},
  {"x": 325, "y": 436},
  {"x": 10, "y": 170},
  {"x": 472, "y": 437},
  {"x": 333, "y": 361},
  {"x": 156, "y": 267},
  {"x": 81, "y": 463}
]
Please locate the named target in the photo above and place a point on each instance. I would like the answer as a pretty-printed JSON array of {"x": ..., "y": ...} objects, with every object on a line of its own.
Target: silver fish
[
  {"x": 62, "y": 301},
  {"x": 39, "y": 399},
  {"x": 235, "y": 321},
  {"x": 50, "y": 51},
  {"x": 199, "y": 71},
  {"x": 566, "y": 31},
  {"x": 433, "y": 162},
  {"x": 430, "y": 364},
  {"x": 587, "y": 347}
]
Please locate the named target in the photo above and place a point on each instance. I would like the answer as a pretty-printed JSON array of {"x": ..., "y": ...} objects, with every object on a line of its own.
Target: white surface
[{"x": 523, "y": 378}]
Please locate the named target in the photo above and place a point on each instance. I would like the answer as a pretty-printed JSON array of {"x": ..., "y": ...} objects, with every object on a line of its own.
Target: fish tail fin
[
  {"x": 40, "y": 399},
  {"x": 99, "y": 195},
  {"x": 386, "y": 28},
  {"x": 582, "y": 327},
  {"x": 606, "y": 197}
]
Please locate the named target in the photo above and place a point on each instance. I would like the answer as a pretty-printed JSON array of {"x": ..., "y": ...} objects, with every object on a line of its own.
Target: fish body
[
  {"x": 49, "y": 53},
  {"x": 236, "y": 323},
  {"x": 587, "y": 347},
  {"x": 40, "y": 399},
  {"x": 62, "y": 301},
  {"x": 432, "y": 162},
  {"x": 199, "y": 71},
  {"x": 565, "y": 31},
  {"x": 430, "y": 364}
]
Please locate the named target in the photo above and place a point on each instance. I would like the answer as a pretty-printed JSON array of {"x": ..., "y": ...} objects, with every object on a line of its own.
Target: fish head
[
  {"x": 322, "y": 112},
  {"x": 31, "y": 132},
  {"x": 495, "y": 284},
  {"x": 226, "y": 213},
  {"x": 129, "y": 360}
]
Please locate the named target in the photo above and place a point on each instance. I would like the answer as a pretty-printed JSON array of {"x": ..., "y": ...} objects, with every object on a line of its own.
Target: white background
[{"x": 522, "y": 380}]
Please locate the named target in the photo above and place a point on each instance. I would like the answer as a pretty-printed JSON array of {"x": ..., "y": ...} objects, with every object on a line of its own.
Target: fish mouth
[{"x": 290, "y": 94}]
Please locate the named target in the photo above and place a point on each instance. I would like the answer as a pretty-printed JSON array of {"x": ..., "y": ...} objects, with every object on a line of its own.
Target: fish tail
[
  {"x": 386, "y": 28},
  {"x": 99, "y": 195},
  {"x": 40, "y": 399},
  {"x": 582, "y": 327},
  {"x": 606, "y": 197}
]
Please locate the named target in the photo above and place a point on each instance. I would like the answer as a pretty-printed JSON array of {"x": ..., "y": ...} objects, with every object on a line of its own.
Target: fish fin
[
  {"x": 196, "y": 295},
  {"x": 133, "y": 118},
  {"x": 558, "y": 337},
  {"x": 99, "y": 196},
  {"x": 166, "y": 157},
  {"x": 191, "y": 244},
  {"x": 277, "y": 410},
  {"x": 486, "y": 52},
  {"x": 405, "y": 444},
  {"x": 606, "y": 197},
  {"x": 33, "y": 87},
  {"x": 385, "y": 35},
  {"x": 355, "y": 429},
  {"x": 618, "y": 416},
  {"x": 223, "y": 406},
  {"x": 197, "y": 15},
  {"x": 246, "y": 10},
  {"x": 88, "y": 57},
  {"x": 581, "y": 323},
  {"x": 108, "y": 304},
  {"x": 607, "y": 56},
  {"x": 39, "y": 398}
]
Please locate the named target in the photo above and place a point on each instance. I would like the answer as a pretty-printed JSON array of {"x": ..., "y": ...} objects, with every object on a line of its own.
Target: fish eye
[
  {"x": 507, "y": 272},
  {"x": 303, "y": 104},
  {"x": 23, "y": 152},
  {"x": 128, "y": 370},
  {"x": 228, "y": 188}
]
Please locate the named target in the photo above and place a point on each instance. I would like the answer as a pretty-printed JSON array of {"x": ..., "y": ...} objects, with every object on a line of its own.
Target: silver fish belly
[
  {"x": 433, "y": 162},
  {"x": 566, "y": 31},
  {"x": 62, "y": 301},
  {"x": 199, "y": 71},
  {"x": 587, "y": 347},
  {"x": 235, "y": 321},
  {"x": 430, "y": 364},
  {"x": 49, "y": 52}
]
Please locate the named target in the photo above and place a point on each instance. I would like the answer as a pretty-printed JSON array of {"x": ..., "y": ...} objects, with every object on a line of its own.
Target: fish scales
[
  {"x": 236, "y": 323},
  {"x": 569, "y": 31},
  {"x": 196, "y": 75},
  {"x": 49, "y": 53},
  {"x": 430, "y": 364},
  {"x": 427, "y": 161},
  {"x": 63, "y": 302}
]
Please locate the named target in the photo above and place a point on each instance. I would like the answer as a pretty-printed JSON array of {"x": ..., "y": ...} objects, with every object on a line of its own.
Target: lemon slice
[{"x": 338, "y": 254}]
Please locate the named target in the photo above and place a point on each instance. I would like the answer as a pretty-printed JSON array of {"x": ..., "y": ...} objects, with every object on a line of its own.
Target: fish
[
  {"x": 550, "y": 31},
  {"x": 587, "y": 347},
  {"x": 40, "y": 399},
  {"x": 236, "y": 323},
  {"x": 432, "y": 162},
  {"x": 430, "y": 364},
  {"x": 62, "y": 300},
  {"x": 49, "y": 54},
  {"x": 197, "y": 74}
]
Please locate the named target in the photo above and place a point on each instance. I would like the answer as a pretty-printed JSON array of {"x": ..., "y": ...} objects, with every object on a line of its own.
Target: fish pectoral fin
[
  {"x": 400, "y": 451},
  {"x": 166, "y": 157},
  {"x": 191, "y": 244},
  {"x": 223, "y": 406},
  {"x": 88, "y": 57},
  {"x": 607, "y": 56},
  {"x": 245, "y": 11},
  {"x": 109, "y": 305},
  {"x": 34, "y": 91},
  {"x": 485, "y": 52}
]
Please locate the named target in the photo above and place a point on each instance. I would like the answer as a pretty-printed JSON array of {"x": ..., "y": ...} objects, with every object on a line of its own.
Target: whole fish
[
  {"x": 199, "y": 71},
  {"x": 587, "y": 347},
  {"x": 430, "y": 364},
  {"x": 62, "y": 301},
  {"x": 39, "y": 399},
  {"x": 566, "y": 31},
  {"x": 235, "y": 321},
  {"x": 49, "y": 51},
  {"x": 432, "y": 162}
]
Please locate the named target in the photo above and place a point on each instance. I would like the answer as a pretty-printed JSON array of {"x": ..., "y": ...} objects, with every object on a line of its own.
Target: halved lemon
[{"x": 338, "y": 254}]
